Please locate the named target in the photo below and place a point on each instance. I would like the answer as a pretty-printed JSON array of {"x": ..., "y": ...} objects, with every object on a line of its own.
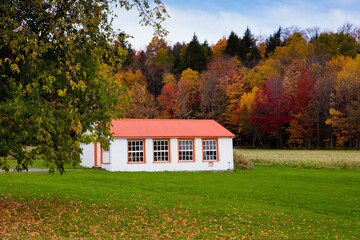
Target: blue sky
[{"x": 211, "y": 20}]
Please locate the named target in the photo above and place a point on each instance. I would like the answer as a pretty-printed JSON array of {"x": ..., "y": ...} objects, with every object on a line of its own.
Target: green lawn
[
  {"x": 39, "y": 163},
  {"x": 349, "y": 159},
  {"x": 266, "y": 202}
]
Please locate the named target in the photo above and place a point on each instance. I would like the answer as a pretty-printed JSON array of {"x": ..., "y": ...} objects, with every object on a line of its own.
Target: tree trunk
[
  {"x": 331, "y": 139},
  {"x": 254, "y": 139},
  {"x": 318, "y": 132}
]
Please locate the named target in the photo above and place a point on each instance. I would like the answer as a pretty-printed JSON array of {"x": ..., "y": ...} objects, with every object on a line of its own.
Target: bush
[{"x": 241, "y": 162}]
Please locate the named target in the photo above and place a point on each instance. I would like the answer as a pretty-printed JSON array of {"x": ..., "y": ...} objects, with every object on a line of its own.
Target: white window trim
[
  {"x": 136, "y": 151},
  {"x": 210, "y": 150},
  {"x": 192, "y": 150},
  {"x": 160, "y": 151}
]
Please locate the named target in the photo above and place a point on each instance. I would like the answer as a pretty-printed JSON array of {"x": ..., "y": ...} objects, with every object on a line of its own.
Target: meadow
[
  {"x": 267, "y": 202},
  {"x": 339, "y": 159}
]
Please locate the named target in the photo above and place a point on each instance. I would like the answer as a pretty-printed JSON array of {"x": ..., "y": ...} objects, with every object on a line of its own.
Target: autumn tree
[
  {"x": 214, "y": 82},
  {"x": 155, "y": 45},
  {"x": 168, "y": 100},
  {"x": 242, "y": 115},
  {"x": 141, "y": 103},
  {"x": 129, "y": 78},
  {"x": 188, "y": 96},
  {"x": 270, "y": 113},
  {"x": 53, "y": 89},
  {"x": 219, "y": 48},
  {"x": 339, "y": 123},
  {"x": 336, "y": 44},
  {"x": 301, "y": 122},
  {"x": 347, "y": 88}
]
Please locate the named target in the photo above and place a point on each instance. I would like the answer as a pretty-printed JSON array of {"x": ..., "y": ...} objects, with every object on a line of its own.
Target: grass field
[
  {"x": 268, "y": 202},
  {"x": 348, "y": 159},
  {"x": 41, "y": 165}
]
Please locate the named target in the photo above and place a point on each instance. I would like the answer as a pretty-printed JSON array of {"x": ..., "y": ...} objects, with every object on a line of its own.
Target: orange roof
[{"x": 147, "y": 128}]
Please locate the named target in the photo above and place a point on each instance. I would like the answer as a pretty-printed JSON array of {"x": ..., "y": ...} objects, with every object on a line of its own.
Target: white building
[{"x": 163, "y": 145}]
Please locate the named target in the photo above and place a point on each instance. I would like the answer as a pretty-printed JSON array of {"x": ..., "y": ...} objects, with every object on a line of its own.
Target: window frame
[
  {"x": 169, "y": 149},
  {"x": 193, "y": 150},
  {"x": 144, "y": 150},
  {"x": 217, "y": 149}
]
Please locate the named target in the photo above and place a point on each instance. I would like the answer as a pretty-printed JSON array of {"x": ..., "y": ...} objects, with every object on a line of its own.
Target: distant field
[
  {"x": 268, "y": 202},
  {"x": 349, "y": 159}
]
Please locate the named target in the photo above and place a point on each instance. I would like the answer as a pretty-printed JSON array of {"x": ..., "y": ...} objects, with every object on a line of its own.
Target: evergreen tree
[
  {"x": 254, "y": 57},
  {"x": 247, "y": 44},
  {"x": 194, "y": 56},
  {"x": 207, "y": 51},
  {"x": 272, "y": 42},
  {"x": 175, "y": 51},
  {"x": 249, "y": 53},
  {"x": 233, "y": 45}
]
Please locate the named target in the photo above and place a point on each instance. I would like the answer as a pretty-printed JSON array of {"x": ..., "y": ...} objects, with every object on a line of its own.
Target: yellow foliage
[
  {"x": 169, "y": 78},
  {"x": 142, "y": 103},
  {"x": 339, "y": 123},
  {"x": 129, "y": 78},
  {"x": 244, "y": 108},
  {"x": 262, "y": 49},
  {"x": 292, "y": 75},
  {"x": 247, "y": 100},
  {"x": 296, "y": 47},
  {"x": 191, "y": 77},
  {"x": 296, "y": 130},
  {"x": 347, "y": 79},
  {"x": 219, "y": 48},
  {"x": 269, "y": 68}
]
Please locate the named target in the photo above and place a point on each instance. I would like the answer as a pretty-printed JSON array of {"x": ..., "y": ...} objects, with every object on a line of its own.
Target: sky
[{"x": 213, "y": 19}]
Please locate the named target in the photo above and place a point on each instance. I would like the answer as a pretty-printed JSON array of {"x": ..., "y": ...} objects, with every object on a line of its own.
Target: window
[
  {"x": 186, "y": 150},
  {"x": 209, "y": 150},
  {"x": 136, "y": 151},
  {"x": 161, "y": 151}
]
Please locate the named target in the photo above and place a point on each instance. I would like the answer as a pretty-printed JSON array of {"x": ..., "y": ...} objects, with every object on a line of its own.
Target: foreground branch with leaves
[{"x": 53, "y": 85}]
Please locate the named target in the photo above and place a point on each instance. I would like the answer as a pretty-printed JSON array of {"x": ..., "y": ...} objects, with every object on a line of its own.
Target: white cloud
[{"x": 183, "y": 23}]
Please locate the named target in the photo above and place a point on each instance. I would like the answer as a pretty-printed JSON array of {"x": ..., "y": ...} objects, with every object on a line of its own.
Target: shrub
[{"x": 241, "y": 162}]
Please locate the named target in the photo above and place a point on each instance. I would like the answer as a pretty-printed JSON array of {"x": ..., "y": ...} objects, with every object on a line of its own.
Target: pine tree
[
  {"x": 233, "y": 45},
  {"x": 249, "y": 53},
  {"x": 194, "y": 56},
  {"x": 207, "y": 51},
  {"x": 247, "y": 43},
  {"x": 272, "y": 42}
]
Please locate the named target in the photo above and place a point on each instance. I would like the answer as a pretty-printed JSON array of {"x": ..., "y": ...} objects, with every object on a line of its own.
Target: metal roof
[{"x": 156, "y": 128}]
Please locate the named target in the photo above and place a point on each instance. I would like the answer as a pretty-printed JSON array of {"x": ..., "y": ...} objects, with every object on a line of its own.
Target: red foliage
[
  {"x": 167, "y": 101},
  {"x": 271, "y": 109},
  {"x": 302, "y": 98}
]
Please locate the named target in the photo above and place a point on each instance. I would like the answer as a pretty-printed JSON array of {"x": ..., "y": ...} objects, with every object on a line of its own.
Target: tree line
[
  {"x": 65, "y": 74},
  {"x": 296, "y": 89}
]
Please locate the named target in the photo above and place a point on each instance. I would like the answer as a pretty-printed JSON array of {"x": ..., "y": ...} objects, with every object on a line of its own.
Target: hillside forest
[{"x": 295, "y": 89}]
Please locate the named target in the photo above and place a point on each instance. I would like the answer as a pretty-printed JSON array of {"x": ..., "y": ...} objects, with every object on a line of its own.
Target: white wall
[
  {"x": 118, "y": 157},
  {"x": 87, "y": 159}
]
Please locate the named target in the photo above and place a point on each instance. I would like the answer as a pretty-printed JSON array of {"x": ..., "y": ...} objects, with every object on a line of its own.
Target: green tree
[
  {"x": 54, "y": 85},
  {"x": 233, "y": 45},
  {"x": 273, "y": 42},
  {"x": 249, "y": 53},
  {"x": 194, "y": 56},
  {"x": 335, "y": 44}
]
